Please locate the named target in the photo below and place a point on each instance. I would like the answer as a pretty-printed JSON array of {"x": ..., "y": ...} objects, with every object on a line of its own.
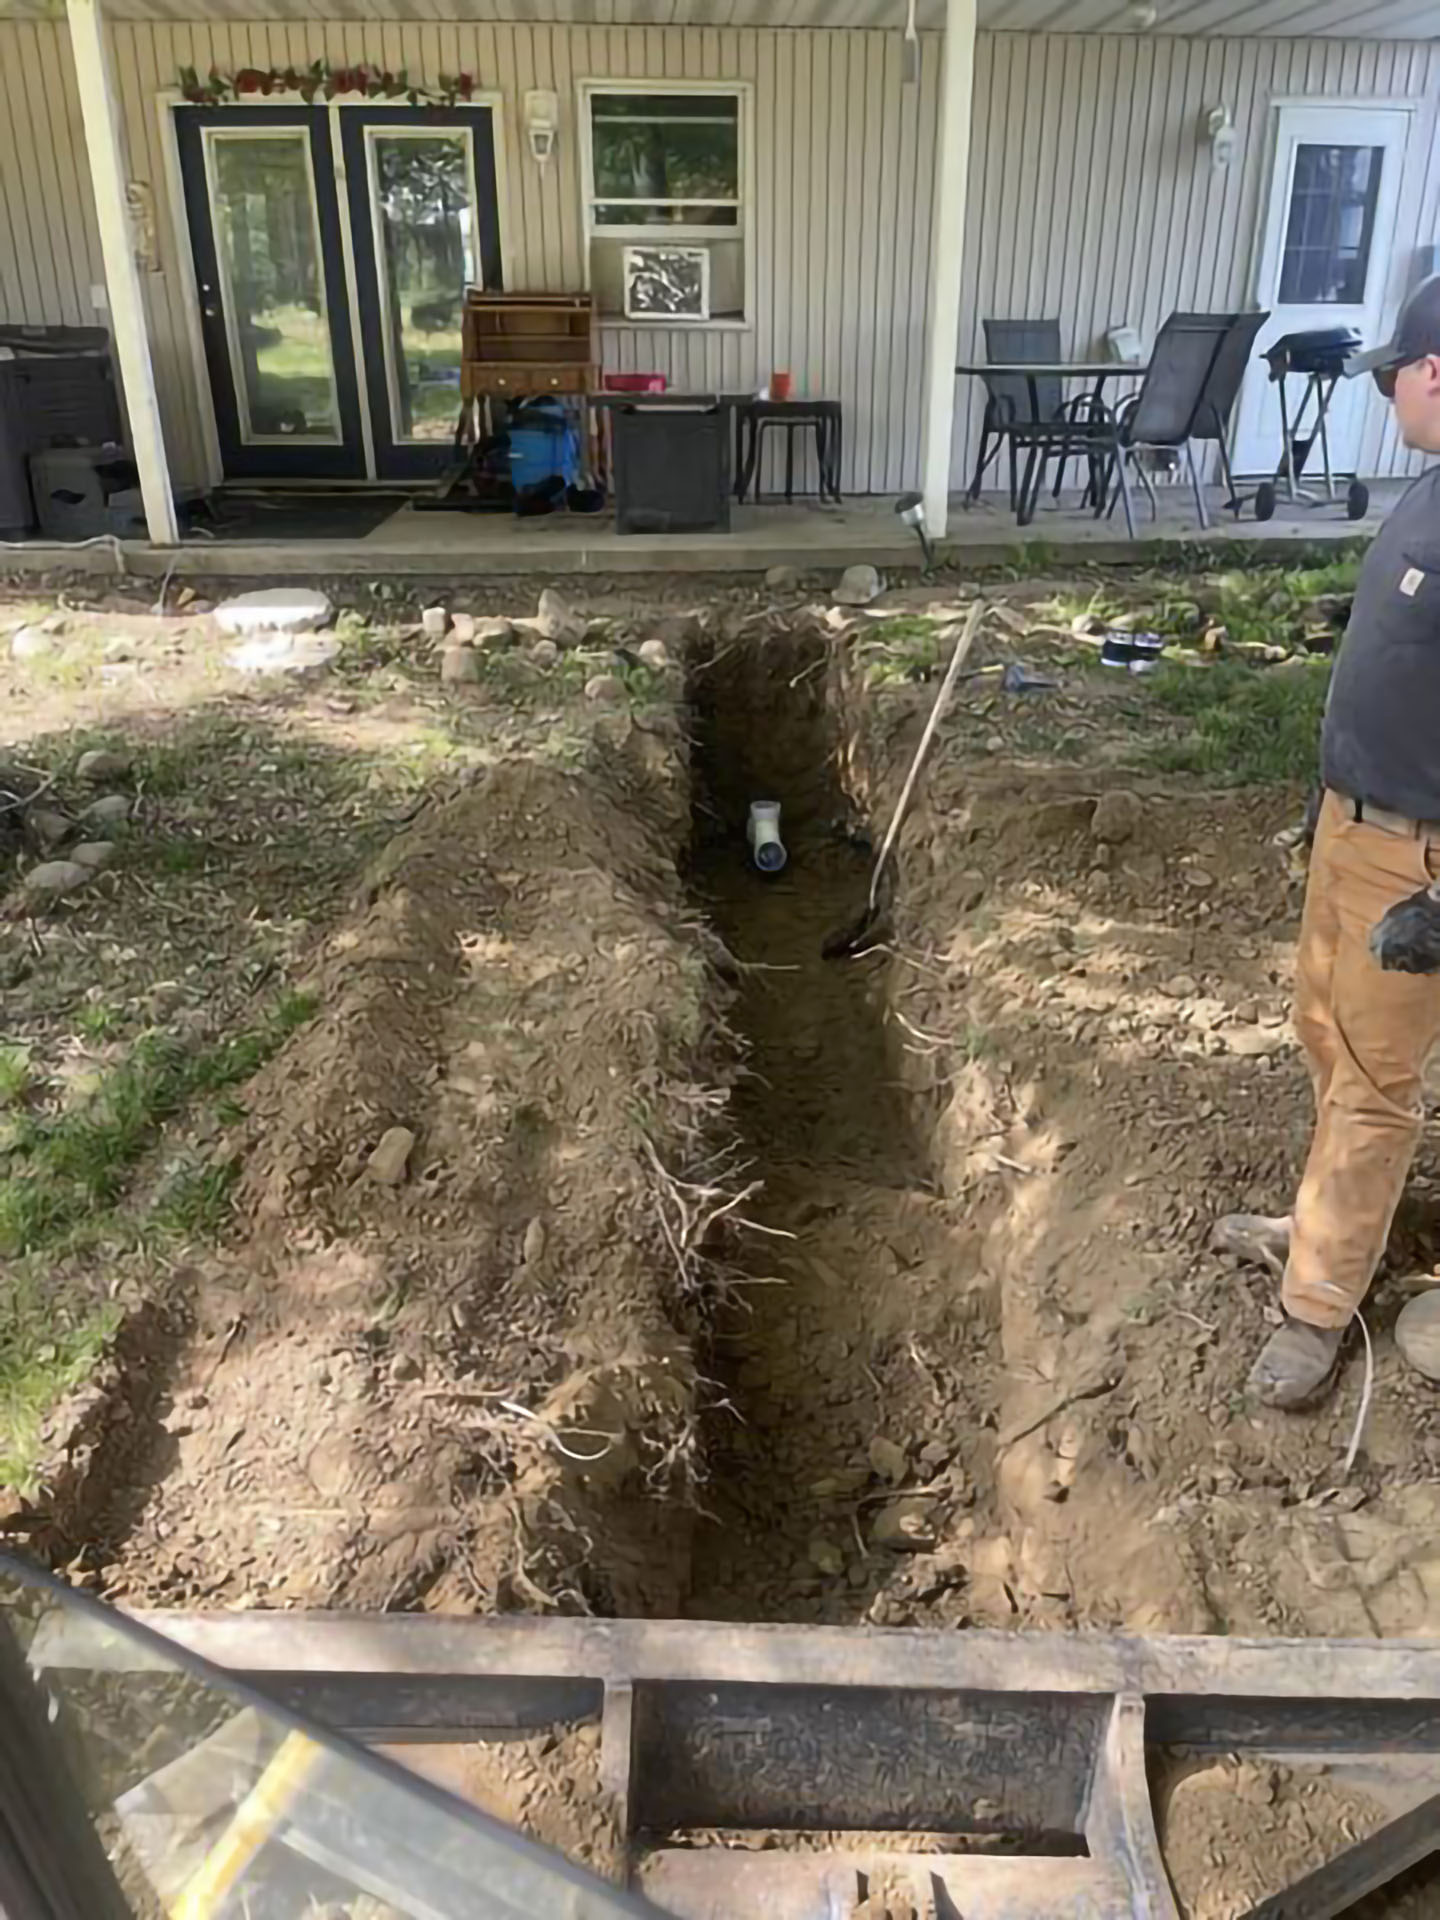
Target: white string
[{"x": 1365, "y": 1393}]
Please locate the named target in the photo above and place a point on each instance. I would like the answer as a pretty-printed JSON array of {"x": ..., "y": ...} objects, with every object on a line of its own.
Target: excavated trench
[{"x": 838, "y": 1343}]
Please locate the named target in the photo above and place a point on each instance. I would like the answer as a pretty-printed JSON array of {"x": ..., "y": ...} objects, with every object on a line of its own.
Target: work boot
[
  {"x": 1261, "y": 1238},
  {"x": 1417, "y": 1334},
  {"x": 1296, "y": 1365}
]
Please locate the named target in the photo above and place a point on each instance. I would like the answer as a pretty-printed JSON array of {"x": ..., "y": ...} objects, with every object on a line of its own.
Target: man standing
[{"x": 1367, "y": 1031}]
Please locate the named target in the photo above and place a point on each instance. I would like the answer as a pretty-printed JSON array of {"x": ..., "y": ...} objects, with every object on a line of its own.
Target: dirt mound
[
  {"x": 1108, "y": 1068},
  {"x": 464, "y": 1381}
]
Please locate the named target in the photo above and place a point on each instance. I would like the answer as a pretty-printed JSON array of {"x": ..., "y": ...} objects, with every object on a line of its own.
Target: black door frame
[
  {"x": 272, "y": 459},
  {"x": 406, "y": 459}
]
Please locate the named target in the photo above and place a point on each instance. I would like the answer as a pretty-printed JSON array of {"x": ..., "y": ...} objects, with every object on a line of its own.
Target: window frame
[{"x": 650, "y": 234}]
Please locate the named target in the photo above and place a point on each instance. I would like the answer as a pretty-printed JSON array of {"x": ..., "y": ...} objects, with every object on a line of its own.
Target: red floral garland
[{"x": 217, "y": 89}]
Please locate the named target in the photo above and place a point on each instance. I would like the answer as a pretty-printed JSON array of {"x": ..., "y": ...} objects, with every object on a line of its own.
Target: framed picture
[{"x": 667, "y": 283}]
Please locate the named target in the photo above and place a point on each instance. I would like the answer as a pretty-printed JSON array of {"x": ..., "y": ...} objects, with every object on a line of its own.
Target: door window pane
[
  {"x": 427, "y": 247},
  {"x": 1333, "y": 194},
  {"x": 273, "y": 284}
]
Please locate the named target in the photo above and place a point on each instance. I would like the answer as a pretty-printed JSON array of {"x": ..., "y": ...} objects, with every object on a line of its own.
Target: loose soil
[{"x": 728, "y": 1279}]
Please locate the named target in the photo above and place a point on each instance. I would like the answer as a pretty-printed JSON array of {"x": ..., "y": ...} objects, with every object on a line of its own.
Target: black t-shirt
[{"x": 1382, "y": 724}]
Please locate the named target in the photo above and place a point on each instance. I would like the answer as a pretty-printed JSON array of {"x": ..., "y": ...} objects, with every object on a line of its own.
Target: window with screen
[
  {"x": 1333, "y": 195},
  {"x": 661, "y": 167}
]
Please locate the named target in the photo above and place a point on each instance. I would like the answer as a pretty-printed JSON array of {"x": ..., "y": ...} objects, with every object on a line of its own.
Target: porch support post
[
  {"x": 100, "y": 107},
  {"x": 947, "y": 254}
]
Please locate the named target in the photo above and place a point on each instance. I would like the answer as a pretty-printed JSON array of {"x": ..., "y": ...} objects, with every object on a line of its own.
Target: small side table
[{"x": 823, "y": 418}]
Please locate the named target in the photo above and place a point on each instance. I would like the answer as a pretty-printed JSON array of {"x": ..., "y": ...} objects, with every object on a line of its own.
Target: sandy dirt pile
[{"x": 448, "y": 1365}]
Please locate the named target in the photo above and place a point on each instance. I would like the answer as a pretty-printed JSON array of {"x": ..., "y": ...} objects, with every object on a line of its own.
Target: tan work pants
[{"x": 1368, "y": 1035}]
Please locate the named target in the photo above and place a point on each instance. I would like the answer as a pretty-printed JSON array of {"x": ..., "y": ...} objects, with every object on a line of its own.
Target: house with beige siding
[{"x": 273, "y": 206}]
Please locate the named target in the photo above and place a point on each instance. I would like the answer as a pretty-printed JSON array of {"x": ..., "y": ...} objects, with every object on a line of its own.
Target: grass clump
[
  {"x": 1246, "y": 725},
  {"x": 39, "y": 1363},
  {"x": 69, "y": 1167}
]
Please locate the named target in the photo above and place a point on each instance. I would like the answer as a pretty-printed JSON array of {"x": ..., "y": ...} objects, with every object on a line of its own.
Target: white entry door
[{"x": 1324, "y": 261}]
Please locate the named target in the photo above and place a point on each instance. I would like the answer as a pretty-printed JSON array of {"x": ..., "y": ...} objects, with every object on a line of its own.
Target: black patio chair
[
  {"x": 1163, "y": 413},
  {"x": 1009, "y": 410},
  {"x": 1222, "y": 389}
]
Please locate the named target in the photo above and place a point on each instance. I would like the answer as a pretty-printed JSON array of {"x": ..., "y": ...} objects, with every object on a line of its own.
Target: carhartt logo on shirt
[{"x": 1411, "y": 582}]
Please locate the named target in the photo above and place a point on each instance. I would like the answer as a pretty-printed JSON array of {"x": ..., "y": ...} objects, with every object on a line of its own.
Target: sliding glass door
[
  {"x": 274, "y": 308},
  {"x": 332, "y": 250},
  {"x": 422, "y": 203}
]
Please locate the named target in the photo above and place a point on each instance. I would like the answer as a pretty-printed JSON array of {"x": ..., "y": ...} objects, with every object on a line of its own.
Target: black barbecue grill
[{"x": 1320, "y": 354}]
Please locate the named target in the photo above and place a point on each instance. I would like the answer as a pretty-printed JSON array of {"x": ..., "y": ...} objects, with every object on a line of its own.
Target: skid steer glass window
[{"x": 191, "y": 1799}]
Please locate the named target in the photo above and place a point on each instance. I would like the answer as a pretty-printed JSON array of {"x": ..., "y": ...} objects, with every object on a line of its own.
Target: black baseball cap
[{"x": 1417, "y": 333}]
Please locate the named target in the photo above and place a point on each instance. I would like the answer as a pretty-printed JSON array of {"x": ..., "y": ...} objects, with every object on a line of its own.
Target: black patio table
[{"x": 1031, "y": 372}]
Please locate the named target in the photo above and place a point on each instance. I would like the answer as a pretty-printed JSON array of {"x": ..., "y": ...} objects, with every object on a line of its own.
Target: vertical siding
[
  {"x": 1092, "y": 196},
  {"x": 1091, "y": 193}
]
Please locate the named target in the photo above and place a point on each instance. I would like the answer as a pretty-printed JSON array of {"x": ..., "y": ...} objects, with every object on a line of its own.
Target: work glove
[
  {"x": 1407, "y": 938},
  {"x": 1295, "y": 842}
]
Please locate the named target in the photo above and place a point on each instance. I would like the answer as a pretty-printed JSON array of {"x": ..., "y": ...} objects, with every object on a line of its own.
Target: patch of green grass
[
  {"x": 39, "y": 1363},
  {"x": 14, "y": 1073},
  {"x": 1246, "y": 724},
  {"x": 194, "y": 1204},
  {"x": 181, "y": 856},
  {"x": 902, "y": 648},
  {"x": 71, "y": 1167},
  {"x": 97, "y": 1021}
]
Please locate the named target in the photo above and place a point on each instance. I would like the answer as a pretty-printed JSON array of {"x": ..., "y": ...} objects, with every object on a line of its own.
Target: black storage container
[
  {"x": 57, "y": 389},
  {"x": 672, "y": 469}
]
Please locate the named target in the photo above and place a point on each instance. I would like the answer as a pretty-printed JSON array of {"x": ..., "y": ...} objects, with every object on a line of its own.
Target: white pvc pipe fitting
[{"x": 762, "y": 830}]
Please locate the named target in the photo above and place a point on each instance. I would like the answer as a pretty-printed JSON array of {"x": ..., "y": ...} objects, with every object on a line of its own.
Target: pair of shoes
[{"x": 1263, "y": 1238}]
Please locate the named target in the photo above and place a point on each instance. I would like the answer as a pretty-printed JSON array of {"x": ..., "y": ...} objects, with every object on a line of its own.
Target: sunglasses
[{"x": 1385, "y": 377}]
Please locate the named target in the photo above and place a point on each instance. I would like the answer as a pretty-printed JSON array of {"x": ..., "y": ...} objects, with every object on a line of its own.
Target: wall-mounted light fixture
[
  {"x": 1219, "y": 127},
  {"x": 542, "y": 124}
]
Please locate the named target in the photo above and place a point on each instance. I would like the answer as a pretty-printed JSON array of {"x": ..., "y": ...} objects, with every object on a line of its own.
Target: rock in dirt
[
  {"x": 48, "y": 827},
  {"x": 824, "y": 1555},
  {"x": 655, "y": 654},
  {"x": 53, "y": 879},
  {"x": 494, "y": 632},
  {"x": 544, "y": 655},
  {"x": 858, "y": 586},
  {"x": 783, "y": 579},
  {"x": 557, "y": 620},
  {"x": 906, "y": 1526},
  {"x": 1253, "y": 1042},
  {"x": 606, "y": 689},
  {"x": 110, "y": 810},
  {"x": 434, "y": 621},
  {"x": 888, "y": 1459},
  {"x": 1417, "y": 1334},
  {"x": 459, "y": 666},
  {"x": 102, "y": 763},
  {"x": 93, "y": 853},
  {"x": 1116, "y": 818},
  {"x": 31, "y": 643},
  {"x": 274, "y": 610},
  {"x": 290, "y": 652},
  {"x": 1181, "y": 986},
  {"x": 462, "y": 629},
  {"x": 388, "y": 1162},
  {"x": 533, "y": 1246}
]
